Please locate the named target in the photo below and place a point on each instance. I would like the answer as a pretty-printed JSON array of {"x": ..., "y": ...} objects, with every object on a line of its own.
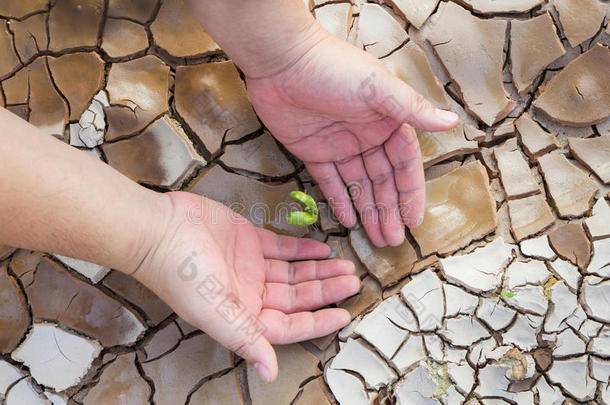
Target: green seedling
[
  {"x": 507, "y": 294},
  {"x": 309, "y": 215}
]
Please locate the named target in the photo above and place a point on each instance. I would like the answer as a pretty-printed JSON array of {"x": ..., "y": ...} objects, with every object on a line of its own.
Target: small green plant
[
  {"x": 507, "y": 294},
  {"x": 309, "y": 215}
]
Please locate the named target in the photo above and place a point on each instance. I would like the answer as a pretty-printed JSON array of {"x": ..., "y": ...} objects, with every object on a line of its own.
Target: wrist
[
  {"x": 261, "y": 37},
  {"x": 171, "y": 239},
  {"x": 281, "y": 57},
  {"x": 153, "y": 224}
]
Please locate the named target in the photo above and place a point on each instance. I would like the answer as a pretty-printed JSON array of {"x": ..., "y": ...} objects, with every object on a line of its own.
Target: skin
[
  {"x": 308, "y": 88},
  {"x": 335, "y": 107}
]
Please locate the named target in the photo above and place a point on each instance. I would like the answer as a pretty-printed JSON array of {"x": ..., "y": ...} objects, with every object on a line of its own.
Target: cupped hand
[
  {"x": 244, "y": 286},
  {"x": 350, "y": 120}
]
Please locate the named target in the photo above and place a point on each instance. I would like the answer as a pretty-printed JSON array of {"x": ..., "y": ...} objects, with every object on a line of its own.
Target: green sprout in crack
[
  {"x": 507, "y": 294},
  {"x": 440, "y": 375},
  {"x": 309, "y": 215}
]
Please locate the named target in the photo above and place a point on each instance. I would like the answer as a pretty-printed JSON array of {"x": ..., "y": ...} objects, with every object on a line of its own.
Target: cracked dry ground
[{"x": 501, "y": 297}]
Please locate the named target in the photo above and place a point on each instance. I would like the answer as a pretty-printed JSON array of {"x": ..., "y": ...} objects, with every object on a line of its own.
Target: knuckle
[
  {"x": 419, "y": 105},
  {"x": 292, "y": 298},
  {"x": 345, "y": 160},
  {"x": 291, "y": 273},
  {"x": 287, "y": 245},
  {"x": 264, "y": 297},
  {"x": 406, "y": 194},
  {"x": 241, "y": 349},
  {"x": 316, "y": 269},
  {"x": 287, "y": 327},
  {"x": 368, "y": 213},
  {"x": 356, "y": 186},
  {"x": 382, "y": 178},
  {"x": 406, "y": 163},
  {"x": 326, "y": 179},
  {"x": 371, "y": 151}
]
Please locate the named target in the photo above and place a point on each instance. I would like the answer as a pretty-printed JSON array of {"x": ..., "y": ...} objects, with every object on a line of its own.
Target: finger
[
  {"x": 309, "y": 294},
  {"x": 381, "y": 173},
  {"x": 389, "y": 95},
  {"x": 279, "y": 271},
  {"x": 354, "y": 174},
  {"x": 292, "y": 328},
  {"x": 403, "y": 152},
  {"x": 255, "y": 349},
  {"x": 334, "y": 190},
  {"x": 281, "y": 247}
]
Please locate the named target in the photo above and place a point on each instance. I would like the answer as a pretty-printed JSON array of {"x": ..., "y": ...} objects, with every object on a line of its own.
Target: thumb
[
  {"x": 258, "y": 352},
  {"x": 392, "y": 97}
]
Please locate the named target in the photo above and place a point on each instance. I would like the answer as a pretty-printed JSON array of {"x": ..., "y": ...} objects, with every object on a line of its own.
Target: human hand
[
  {"x": 350, "y": 120},
  {"x": 235, "y": 282}
]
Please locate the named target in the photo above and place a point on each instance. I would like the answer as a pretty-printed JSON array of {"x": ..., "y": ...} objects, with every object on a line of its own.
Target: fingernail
[
  {"x": 263, "y": 372},
  {"x": 446, "y": 117}
]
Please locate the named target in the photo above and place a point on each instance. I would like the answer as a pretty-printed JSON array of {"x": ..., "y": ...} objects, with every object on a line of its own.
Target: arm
[
  {"x": 304, "y": 85},
  {"x": 335, "y": 107},
  {"x": 262, "y": 37},
  {"x": 54, "y": 198}
]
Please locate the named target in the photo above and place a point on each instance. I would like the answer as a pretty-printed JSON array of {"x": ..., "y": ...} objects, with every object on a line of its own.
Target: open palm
[
  {"x": 351, "y": 121},
  {"x": 235, "y": 282}
]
